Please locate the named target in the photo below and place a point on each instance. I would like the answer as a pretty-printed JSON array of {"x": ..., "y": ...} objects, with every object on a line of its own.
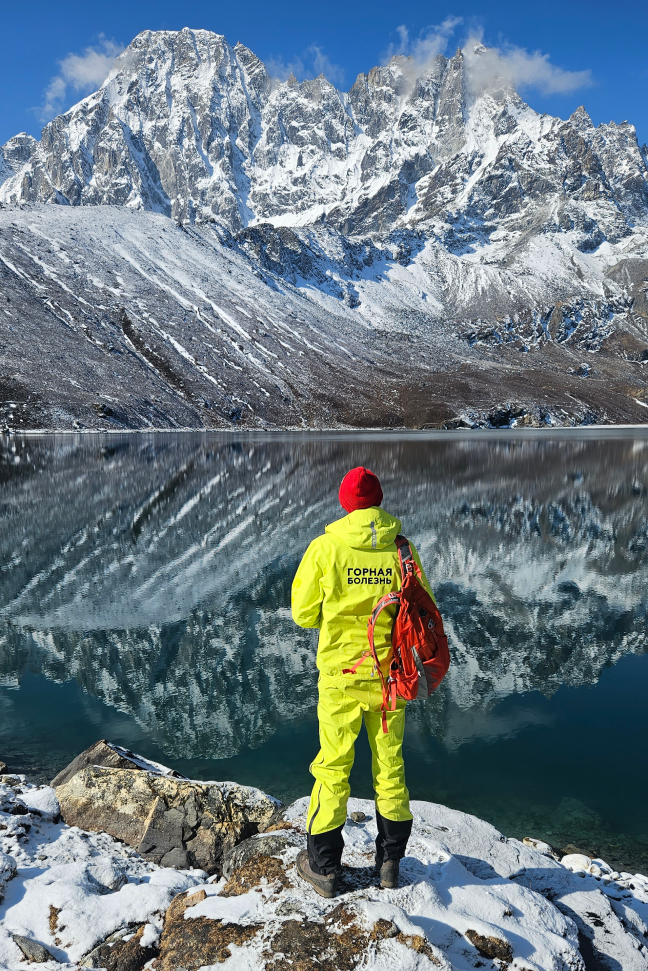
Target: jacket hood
[{"x": 366, "y": 529}]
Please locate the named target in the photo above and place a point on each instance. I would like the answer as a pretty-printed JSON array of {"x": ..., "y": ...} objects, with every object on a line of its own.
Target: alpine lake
[{"x": 145, "y": 598}]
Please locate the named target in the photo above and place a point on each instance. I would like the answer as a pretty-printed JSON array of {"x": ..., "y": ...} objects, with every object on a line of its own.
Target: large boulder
[
  {"x": 112, "y": 757},
  {"x": 174, "y": 822}
]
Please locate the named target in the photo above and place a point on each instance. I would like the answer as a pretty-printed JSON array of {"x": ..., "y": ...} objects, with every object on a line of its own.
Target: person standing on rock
[{"x": 340, "y": 579}]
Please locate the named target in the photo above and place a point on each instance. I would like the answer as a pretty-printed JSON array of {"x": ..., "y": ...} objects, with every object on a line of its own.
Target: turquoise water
[{"x": 144, "y": 597}]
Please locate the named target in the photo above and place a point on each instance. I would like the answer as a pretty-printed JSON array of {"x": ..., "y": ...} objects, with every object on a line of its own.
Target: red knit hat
[{"x": 360, "y": 489}]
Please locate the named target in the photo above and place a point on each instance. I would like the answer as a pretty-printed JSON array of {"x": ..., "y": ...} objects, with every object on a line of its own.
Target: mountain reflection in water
[{"x": 155, "y": 573}]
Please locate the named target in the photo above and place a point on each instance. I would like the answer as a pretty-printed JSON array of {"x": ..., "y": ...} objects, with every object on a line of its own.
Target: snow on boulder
[
  {"x": 7, "y": 871},
  {"x": 464, "y": 900},
  {"x": 68, "y": 911},
  {"x": 175, "y": 822},
  {"x": 42, "y": 800},
  {"x": 113, "y": 757}
]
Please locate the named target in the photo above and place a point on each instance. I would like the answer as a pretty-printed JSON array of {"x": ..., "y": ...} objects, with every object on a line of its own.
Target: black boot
[
  {"x": 324, "y": 883},
  {"x": 391, "y": 843},
  {"x": 389, "y": 874}
]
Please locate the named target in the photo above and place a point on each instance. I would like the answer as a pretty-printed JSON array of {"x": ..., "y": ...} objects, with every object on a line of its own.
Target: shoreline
[{"x": 344, "y": 432}]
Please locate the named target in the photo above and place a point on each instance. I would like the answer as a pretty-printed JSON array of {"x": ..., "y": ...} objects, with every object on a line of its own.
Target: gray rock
[
  {"x": 177, "y": 858},
  {"x": 175, "y": 822},
  {"x": 288, "y": 907},
  {"x": 33, "y": 951},
  {"x": 110, "y": 876},
  {"x": 3, "y": 768},
  {"x": 116, "y": 954},
  {"x": 113, "y": 757},
  {"x": 7, "y": 871},
  {"x": 270, "y": 845}
]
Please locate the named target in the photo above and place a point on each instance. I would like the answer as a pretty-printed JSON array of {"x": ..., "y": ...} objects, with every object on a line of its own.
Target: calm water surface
[{"x": 145, "y": 595}]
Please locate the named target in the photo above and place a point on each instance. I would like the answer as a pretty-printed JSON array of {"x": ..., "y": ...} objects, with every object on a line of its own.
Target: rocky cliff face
[
  {"x": 188, "y": 125},
  {"x": 426, "y": 205}
]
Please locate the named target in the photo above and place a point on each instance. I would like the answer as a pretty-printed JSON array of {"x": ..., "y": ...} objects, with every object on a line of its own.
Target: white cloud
[
  {"x": 428, "y": 45},
  {"x": 521, "y": 68},
  {"x": 81, "y": 73},
  {"x": 312, "y": 62},
  {"x": 322, "y": 65},
  {"x": 509, "y": 64},
  {"x": 280, "y": 69}
]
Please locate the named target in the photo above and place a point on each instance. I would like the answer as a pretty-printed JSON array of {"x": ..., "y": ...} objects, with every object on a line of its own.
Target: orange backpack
[{"x": 420, "y": 647}]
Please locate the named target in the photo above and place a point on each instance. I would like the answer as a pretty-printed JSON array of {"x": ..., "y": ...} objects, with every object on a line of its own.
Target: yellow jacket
[{"x": 340, "y": 579}]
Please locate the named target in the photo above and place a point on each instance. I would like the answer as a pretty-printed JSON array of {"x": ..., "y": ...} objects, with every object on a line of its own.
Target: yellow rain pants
[{"x": 343, "y": 701}]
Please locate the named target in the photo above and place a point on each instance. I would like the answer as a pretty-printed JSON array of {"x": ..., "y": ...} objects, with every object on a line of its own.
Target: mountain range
[{"x": 198, "y": 244}]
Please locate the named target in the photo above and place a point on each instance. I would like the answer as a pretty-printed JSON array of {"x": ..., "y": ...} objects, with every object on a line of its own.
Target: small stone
[
  {"x": 358, "y": 817},
  {"x": 176, "y": 858},
  {"x": 109, "y": 876},
  {"x": 3, "y": 768},
  {"x": 287, "y": 907},
  {"x": 491, "y": 947},
  {"x": 32, "y": 950},
  {"x": 545, "y": 848}
]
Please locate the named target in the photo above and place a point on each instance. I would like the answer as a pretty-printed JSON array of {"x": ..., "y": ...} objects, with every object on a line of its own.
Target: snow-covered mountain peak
[
  {"x": 428, "y": 196},
  {"x": 191, "y": 127},
  {"x": 187, "y": 125}
]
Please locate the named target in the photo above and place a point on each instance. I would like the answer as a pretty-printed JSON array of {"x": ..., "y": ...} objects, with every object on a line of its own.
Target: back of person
[{"x": 342, "y": 576}]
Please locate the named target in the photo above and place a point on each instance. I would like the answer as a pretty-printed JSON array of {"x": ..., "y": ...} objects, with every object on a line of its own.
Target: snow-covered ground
[{"x": 463, "y": 884}]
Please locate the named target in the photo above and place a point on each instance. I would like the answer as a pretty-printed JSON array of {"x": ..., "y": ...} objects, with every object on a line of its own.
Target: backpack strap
[
  {"x": 408, "y": 564},
  {"x": 388, "y": 685},
  {"x": 405, "y": 557},
  {"x": 408, "y": 567}
]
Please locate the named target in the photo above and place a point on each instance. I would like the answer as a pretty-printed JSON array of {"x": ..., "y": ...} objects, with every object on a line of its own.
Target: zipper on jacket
[{"x": 374, "y": 535}]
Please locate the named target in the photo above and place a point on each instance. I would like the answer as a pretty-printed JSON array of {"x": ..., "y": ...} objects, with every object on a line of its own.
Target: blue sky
[{"x": 594, "y": 53}]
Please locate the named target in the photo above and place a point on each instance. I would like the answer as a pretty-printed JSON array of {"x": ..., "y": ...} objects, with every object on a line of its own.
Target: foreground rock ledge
[
  {"x": 468, "y": 897},
  {"x": 174, "y": 822}
]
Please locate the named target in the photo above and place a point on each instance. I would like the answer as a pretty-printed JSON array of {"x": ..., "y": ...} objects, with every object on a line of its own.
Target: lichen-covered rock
[
  {"x": 175, "y": 822},
  {"x": 252, "y": 848},
  {"x": 257, "y": 872},
  {"x": 122, "y": 951},
  {"x": 490, "y": 947},
  {"x": 193, "y": 943}
]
